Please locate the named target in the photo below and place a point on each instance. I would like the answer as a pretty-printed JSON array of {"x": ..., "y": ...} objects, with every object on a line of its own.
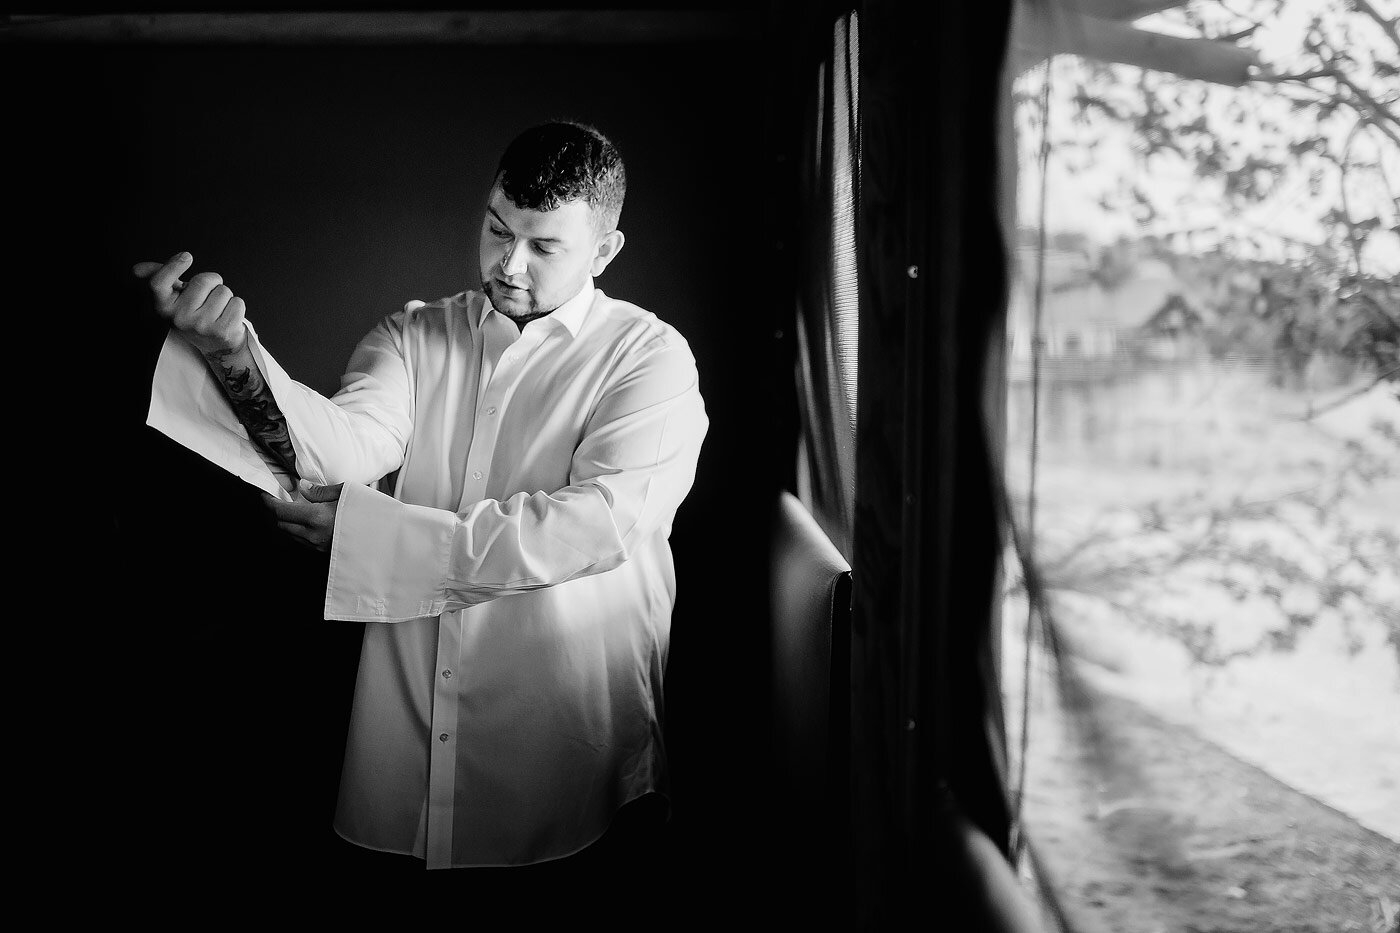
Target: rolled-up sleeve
[{"x": 633, "y": 465}]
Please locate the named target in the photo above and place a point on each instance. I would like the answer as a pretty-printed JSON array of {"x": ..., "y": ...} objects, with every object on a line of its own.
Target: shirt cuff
[
  {"x": 188, "y": 406},
  {"x": 388, "y": 559}
]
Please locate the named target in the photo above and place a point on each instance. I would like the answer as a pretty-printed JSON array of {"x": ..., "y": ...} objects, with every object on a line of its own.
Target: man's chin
[{"x": 503, "y": 302}]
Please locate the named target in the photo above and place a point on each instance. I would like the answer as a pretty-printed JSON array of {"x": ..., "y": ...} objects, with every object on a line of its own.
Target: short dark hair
[{"x": 550, "y": 164}]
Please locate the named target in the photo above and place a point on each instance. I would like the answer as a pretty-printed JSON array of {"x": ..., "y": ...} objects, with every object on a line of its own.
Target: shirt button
[
  {"x": 476, "y": 474},
  {"x": 446, "y": 675},
  {"x": 491, "y": 410},
  {"x": 443, "y": 737}
]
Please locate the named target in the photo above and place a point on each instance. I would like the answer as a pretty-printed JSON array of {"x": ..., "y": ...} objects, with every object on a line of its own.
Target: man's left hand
[{"x": 310, "y": 520}]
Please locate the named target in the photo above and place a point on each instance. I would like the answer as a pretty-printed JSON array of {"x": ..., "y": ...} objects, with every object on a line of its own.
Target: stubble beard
[{"x": 488, "y": 285}]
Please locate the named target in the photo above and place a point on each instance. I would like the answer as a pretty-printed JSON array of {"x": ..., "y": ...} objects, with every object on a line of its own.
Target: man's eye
[
  {"x": 545, "y": 250},
  {"x": 498, "y": 232}
]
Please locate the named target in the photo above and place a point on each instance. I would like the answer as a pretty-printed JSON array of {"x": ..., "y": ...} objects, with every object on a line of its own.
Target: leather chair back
[{"x": 810, "y": 601}]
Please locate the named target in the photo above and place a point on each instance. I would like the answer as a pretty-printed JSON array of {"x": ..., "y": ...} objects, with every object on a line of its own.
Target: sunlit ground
[{"x": 1322, "y": 715}]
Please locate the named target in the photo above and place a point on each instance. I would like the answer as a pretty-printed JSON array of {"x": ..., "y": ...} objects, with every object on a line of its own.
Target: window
[
  {"x": 1204, "y": 706},
  {"x": 828, "y": 301}
]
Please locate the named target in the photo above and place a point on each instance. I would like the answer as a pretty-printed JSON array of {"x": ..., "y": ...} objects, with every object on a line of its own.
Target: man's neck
[{"x": 520, "y": 322}]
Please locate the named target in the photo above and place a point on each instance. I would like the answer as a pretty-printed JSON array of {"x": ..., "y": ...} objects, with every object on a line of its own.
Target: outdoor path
[
  {"x": 1145, "y": 827},
  {"x": 1316, "y": 718}
]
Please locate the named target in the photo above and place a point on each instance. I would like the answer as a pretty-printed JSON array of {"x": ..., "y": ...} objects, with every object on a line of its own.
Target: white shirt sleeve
[
  {"x": 189, "y": 407},
  {"x": 359, "y": 434},
  {"x": 636, "y": 461}
]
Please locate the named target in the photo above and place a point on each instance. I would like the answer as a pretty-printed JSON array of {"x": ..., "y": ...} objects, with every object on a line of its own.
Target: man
[{"x": 530, "y": 443}]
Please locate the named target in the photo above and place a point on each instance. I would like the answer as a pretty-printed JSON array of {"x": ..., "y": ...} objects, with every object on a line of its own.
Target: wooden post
[{"x": 470, "y": 27}]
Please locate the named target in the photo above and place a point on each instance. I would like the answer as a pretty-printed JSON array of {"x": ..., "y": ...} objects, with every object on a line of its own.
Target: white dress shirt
[{"x": 518, "y": 572}]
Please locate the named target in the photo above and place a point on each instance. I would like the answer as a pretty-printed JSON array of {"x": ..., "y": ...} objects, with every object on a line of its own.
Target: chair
[{"x": 810, "y": 602}]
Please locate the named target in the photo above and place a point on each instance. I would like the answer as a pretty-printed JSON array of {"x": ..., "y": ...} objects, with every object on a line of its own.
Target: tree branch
[
  {"x": 1373, "y": 111},
  {"x": 1124, "y": 9},
  {"x": 1380, "y": 312},
  {"x": 1380, "y": 377},
  {"x": 1387, "y": 25},
  {"x": 1385, "y": 180},
  {"x": 1271, "y": 78},
  {"x": 1063, "y": 560},
  {"x": 1038, "y": 34},
  {"x": 1200, "y": 59},
  {"x": 1380, "y": 114},
  {"x": 1346, "y": 203}
]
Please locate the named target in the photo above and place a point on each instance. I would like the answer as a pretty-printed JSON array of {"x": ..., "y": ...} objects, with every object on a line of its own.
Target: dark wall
[
  {"x": 328, "y": 186},
  {"x": 331, "y": 185}
]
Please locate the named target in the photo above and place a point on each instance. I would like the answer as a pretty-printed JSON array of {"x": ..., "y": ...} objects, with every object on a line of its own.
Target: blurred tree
[
  {"x": 1285, "y": 116},
  {"x": 1287, "y": 112},
  {"x": 1289, "y": 560}
]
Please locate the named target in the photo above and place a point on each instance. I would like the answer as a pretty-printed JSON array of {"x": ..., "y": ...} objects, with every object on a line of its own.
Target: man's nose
[{"x": 513, "y": 261}]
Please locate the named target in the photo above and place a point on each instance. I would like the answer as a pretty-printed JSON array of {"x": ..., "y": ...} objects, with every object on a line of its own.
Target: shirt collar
[{"x": 569, "y": 315}]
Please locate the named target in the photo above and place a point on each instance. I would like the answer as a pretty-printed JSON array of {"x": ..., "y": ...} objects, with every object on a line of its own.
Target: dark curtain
[
  {"x": 900, "y": 250},
  {"x": 926, "y": 718}
]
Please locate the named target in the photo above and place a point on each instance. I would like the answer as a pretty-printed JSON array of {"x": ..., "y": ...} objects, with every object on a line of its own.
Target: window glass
[
  {"x": 1202, "y": 441},
  {"x": 845, "y": 181},
  {"x": 828, "y": 295}
]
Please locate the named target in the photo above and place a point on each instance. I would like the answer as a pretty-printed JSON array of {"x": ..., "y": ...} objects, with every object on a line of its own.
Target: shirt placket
[
  {"x": 442, "y": 761},
  {"x": 501, "y": 368}
]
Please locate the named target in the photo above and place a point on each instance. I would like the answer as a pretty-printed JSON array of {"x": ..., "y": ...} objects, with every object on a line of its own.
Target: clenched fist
[
  {"x": 204, "y": 310},
  {"x": 310, "y": 519}
]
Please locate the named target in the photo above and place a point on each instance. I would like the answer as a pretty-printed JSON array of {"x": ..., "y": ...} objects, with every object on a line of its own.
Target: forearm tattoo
[{"x": 254, "y": 405}]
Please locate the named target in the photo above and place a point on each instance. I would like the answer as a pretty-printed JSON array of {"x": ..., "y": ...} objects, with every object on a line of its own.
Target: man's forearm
[{"x": 251, "y": 398}]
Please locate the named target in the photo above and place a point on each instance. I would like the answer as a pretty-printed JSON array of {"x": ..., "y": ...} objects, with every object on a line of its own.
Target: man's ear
[{"x": 608, "y": 248}]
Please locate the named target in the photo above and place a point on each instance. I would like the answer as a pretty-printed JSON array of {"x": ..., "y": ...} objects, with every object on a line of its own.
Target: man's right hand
[{"x": 204, "y": 310}]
